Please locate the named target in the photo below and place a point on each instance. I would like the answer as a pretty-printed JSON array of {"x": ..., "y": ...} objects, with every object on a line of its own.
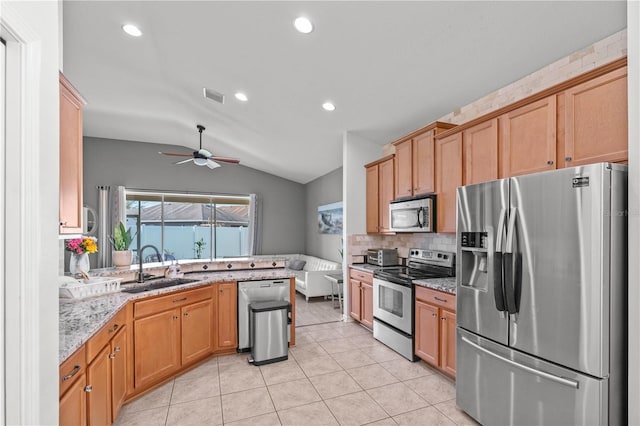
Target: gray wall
[
  {"x": 138, "y": 165},
  {"x": 323, "y": 190}
]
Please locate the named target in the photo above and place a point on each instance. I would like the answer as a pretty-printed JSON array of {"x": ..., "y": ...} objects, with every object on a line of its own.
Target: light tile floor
[
  {"x": 337, "y": 374},
  {"x": 316, "y": 311}
]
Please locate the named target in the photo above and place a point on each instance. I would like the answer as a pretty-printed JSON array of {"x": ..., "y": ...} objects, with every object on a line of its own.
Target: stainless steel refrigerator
[{"x": 541, "y": 305}]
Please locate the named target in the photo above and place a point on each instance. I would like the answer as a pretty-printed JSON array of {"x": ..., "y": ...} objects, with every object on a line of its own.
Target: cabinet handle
[
  {"x": 567, "y": 159},
  {"x": 440, "y": 300},
  {"x": 221, "y": 291},
  {"x": 116, "y": 349},
  {"x": 75, "y": 370},
  {"x": 186, "y": 314},
  {"x": 550, "y": 162},
  {"x": 180, "y": 300},
  {"x": 88, "y": 388},
  {"x": 434, "y": 315},
  {"x": 443, "y": 319},
  {"x": 114, "y": 328},
  {"x": 112, "y": 356},
  {"x": 175, "y": 317},
  {"x": 63, "y": 223}
]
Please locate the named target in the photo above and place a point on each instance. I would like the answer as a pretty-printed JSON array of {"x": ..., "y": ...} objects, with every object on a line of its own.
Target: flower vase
[{"x": 79, "y": 263}]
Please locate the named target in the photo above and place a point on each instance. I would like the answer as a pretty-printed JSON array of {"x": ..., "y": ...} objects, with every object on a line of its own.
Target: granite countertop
[
  {"x": 447, "y": 285},
  {"x": 82, "y": 318}
]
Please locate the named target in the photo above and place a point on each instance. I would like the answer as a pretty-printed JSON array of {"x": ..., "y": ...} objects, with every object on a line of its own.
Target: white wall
[
  {"x": 30, "y": 293},
  {"x": 633, "y": 26}
]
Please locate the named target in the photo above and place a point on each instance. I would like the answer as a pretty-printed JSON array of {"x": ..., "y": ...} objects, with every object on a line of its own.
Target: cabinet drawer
[
  {"x": 72, "y": 368},
  {"x": 435, "y": 297},
  {"x": 361, "y": 276},
  {"x": 170, "y": 301},
  {"x": 105, "y": 334}
]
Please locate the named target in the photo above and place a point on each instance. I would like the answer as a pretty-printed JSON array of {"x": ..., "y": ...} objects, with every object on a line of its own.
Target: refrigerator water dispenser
[{"x": 473, "y": 261}]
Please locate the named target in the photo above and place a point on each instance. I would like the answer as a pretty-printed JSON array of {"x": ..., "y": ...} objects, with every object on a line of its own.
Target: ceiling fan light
[
  {"x": 200, "y": 161},
  {"x": 303, "y": 25},
  {"x": 132, "y": 30}
]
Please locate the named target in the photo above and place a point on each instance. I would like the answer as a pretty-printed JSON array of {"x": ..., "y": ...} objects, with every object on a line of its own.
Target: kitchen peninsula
[{"x": 120, "y": 345}]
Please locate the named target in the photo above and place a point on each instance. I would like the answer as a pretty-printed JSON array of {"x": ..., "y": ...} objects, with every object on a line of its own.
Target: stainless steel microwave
[{"x": 413, "y": 215}]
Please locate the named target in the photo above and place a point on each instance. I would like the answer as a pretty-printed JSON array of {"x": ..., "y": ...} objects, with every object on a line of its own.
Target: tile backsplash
[{"x": 357, "y": 244}]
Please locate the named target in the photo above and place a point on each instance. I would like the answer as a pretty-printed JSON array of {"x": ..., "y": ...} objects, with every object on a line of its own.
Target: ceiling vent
[{"x": 213, "y": 95}]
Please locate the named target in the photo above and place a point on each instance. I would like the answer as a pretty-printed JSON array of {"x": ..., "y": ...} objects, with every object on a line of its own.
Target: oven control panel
[{"x": 433, "y": 257}]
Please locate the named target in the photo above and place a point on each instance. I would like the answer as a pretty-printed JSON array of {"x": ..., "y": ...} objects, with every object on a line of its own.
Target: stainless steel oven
[
  {"x": 393, "y": 297},
  {"x": 393, "y": 304}
]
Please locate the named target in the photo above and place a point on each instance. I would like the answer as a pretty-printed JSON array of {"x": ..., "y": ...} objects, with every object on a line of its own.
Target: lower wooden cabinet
[
  {"x": 197, "y": 331},
  {"x": 435, "y": 329},
  {"x": 226, "y": 316},
  {"x": 361, "y": 296},
  {"x": 99, "y": 389},
  {"x": 73, "y": 404},
  {"x": 156, "y": 346},
  {"x": 119, "y": 366}
]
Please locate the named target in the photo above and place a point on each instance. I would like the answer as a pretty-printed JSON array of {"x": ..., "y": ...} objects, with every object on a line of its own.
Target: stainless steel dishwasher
[{"x": 258, "y": 291}]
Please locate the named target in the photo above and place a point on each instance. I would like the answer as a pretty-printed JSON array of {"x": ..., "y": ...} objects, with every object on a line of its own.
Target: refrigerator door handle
[
  {"x": 552, "y": 377},
  {"x": 507, "y": 261},
  {"x": 498, "y": 288},
  {"x": 511, "y": 230}
]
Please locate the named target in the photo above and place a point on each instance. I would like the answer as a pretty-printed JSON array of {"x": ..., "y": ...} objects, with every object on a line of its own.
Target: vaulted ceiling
[{"x": 389, "y": 67}]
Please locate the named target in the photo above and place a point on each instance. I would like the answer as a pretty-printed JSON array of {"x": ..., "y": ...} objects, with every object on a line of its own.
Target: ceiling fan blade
[
  {"x": 175, "y": 154},
  {"x": 212, "y": 164},
  {"x": 226, "y": 160},
  {"x": 184, "y": 161}
]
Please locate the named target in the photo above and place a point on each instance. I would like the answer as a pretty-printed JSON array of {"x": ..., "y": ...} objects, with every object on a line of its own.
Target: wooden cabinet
[
  {"x": 160, "y": 336},
  {"x": 414, "y": 161},
  {"x": 380, "y": 191},
  {"x": 73, "y": 404},
  {"x": 73, "y": 398},
  {"x": 528, "y": 138},
  {"x": 435, "y": 329},
  {"x": 480, "y": 147},
  {"x": 71, "y": 104},
  {"x": 226, "y": 316},
  {"x": 361, "y": 296},
  {"x": 596, "y": 120},
  {"x": 119, "y": 366},
  {"x": 99, "y": 389},
  {"x": 448, "y": 179}
]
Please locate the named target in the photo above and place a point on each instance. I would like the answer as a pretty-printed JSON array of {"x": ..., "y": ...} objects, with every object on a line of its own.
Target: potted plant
[{"x": 121, "y": 240}]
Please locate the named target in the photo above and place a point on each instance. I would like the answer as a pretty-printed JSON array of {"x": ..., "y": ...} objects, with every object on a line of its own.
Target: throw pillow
[{"x": 297, "y": 264}]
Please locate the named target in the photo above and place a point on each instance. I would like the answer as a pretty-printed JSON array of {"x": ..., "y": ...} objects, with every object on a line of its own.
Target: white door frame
[{"x": 22, "y": 384}]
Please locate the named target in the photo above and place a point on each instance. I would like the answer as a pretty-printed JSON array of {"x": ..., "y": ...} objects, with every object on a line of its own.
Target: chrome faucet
[{"x": 140, "y": 273}]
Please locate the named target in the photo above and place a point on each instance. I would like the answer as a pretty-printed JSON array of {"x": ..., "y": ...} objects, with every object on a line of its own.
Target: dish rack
[{"x": 78, "y": 289}]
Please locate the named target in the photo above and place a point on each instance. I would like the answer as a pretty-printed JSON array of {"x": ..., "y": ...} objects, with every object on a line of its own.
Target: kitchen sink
[{"x": 155, "y": 284}]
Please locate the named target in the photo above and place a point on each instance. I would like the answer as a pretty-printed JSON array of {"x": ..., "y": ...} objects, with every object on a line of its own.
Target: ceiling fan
[{"x": 202, "y": 157}]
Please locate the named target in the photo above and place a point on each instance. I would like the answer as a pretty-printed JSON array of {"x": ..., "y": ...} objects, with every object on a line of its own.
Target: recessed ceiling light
[
  {"x": 303, "y": 25},
  {"x": 328, "y": 106},
  {"x": 241, "y": 97},
  {"x": 132, "y": 30}
]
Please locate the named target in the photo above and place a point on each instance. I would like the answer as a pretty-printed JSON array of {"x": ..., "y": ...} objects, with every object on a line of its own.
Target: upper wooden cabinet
[
  {"x": 480, "y": 146},
  {"x": 596, "y": 120},
  {"x": 528, "y": 138},
  {"x": 71, "y": 104},
  {"x": 380, "y": 191},
  {"x": 448, "y": 179},
  {"x": 414, "y": 161}
]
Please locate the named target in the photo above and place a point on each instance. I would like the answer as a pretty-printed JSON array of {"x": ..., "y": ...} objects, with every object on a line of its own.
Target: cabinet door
[
  {"x": 448, "y": 342},
  {"x": 99, "y": 389},
  {"x": 480, "y": 146},
  {"x": 73, "y": 404},
  {"x": 385, "y": 193},
  {"x": 426, "y": 332},
  {"x": 404, "y": 169},
  {"x": 119, "y": 361},
  {"x": 366, "y": 316},
  {"x": 354, "y": 299},
  {"x": 448, "y": 178},
  {"x": 227, "y": 314},
  {"x": 197, "y": 333},
  {"x": 70, "y": 159},
  {"x": 156, "y": 346},
  {"x": 423, "y": 163},
  {"x": 528, "y": 138},
  {"x": 596, "y": 120},
  {"x": 373, "y": 218}
]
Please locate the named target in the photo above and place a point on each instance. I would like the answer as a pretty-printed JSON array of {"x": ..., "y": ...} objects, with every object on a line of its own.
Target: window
[{"x": 189, "y": 226}]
